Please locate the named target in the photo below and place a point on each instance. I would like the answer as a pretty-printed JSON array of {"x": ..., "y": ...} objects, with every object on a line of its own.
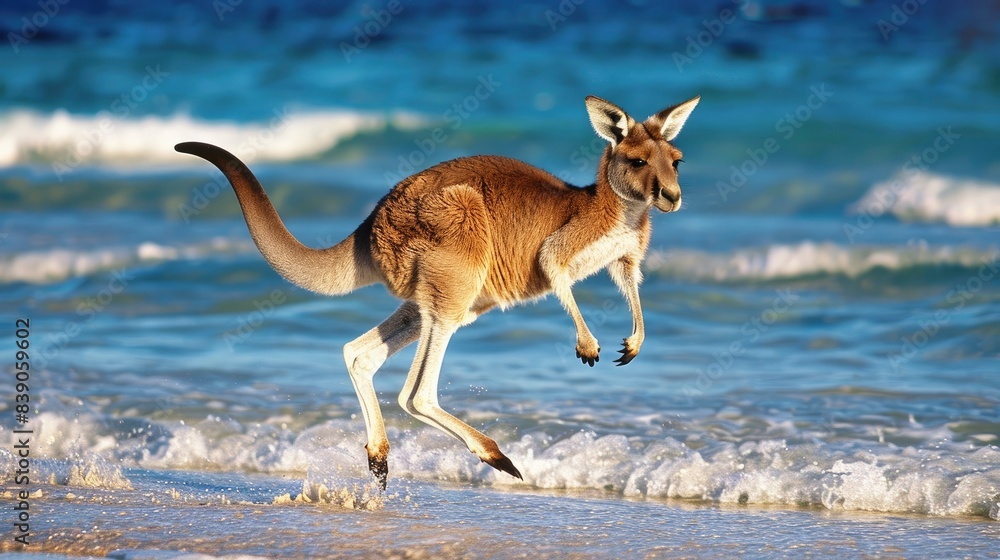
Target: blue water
[{"x": 822, "y": 324}]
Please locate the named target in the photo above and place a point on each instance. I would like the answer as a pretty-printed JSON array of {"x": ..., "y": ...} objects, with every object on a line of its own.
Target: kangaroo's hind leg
[
  {"x": 420, "y": 395},
  {"x": 364, "y": 355}
]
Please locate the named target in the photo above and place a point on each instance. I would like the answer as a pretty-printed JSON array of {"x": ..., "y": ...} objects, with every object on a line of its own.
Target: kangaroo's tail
[{"x": 336, "y": 270}]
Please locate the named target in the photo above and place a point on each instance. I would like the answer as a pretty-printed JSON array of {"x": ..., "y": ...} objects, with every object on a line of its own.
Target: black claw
[
  {"x": 627, "y": 355},
  {"x": 379, "y": 466},
  {"x": 588, "y": 360},
  {"x": 504, "y": 464},
  {"x": 624, "y": 359}
]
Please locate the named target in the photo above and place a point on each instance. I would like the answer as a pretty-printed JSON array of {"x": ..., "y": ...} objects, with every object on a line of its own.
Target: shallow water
[
  {"x": 208, "y": 513},
  {"x": 822, "y": 335}
]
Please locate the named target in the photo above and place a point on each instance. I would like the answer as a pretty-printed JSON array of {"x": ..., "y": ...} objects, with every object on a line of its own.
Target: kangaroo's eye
[
  {"x": 677, "y": 163},
  {"x": 637, "y": 162}
]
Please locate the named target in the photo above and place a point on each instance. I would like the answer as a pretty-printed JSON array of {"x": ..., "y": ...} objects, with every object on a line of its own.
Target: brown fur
[
  {"x": 498, "y": 211},
  {"x": 471, "y": 234}
]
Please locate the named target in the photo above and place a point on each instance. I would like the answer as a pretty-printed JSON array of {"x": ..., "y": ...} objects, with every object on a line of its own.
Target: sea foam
[
  {"x": 808, "y": 258},
  {"x": 66, "y": 140},
  {"x": 929, "y": 197},
  {"x": 943, "y": 479},
  {"x": 55, "y": 265}
]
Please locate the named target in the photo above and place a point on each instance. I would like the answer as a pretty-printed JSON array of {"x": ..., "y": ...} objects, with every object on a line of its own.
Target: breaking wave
[
  {"x": 928, "y": 197},
  {"x": 67, "y": 140},
  {"x": 810, "y": 259},
  {"x": 56, "y": 265},
  {"x": 943, "y": 478}
]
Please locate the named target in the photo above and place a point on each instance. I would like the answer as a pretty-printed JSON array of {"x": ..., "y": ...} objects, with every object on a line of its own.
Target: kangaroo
[{"x": 474, "y": 233}]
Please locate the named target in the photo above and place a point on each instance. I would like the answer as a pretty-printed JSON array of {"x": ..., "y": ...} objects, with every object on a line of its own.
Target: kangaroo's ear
[
  {"x": 672, "y": 119},
  {"x": 609, "y": 120}
]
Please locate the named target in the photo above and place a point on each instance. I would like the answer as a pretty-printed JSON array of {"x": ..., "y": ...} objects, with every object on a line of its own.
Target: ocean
[{"x": 820, "y": 370}]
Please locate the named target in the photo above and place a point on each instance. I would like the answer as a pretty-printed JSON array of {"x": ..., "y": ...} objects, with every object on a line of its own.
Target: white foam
[
  {"x": 284, "y": 135},
  {"x": 928, "y": 197},
  {"x": 807, "y": 258},
  {"x": 81, "y": 443},
  {"x": 366, "y": 496},
  {"x": 946, "y": 481},
  {"x": 943, "y": 478},
  {"x": 55, "y": 265}
]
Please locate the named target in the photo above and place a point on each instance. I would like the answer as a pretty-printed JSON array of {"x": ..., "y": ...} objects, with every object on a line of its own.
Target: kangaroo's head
[{"x": 641, "y": 163}]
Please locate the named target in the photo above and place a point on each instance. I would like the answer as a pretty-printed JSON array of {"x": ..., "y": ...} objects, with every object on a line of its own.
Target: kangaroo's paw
[
  {"x": 490, "y": 454},
  {"x": 630, "y": 350},
  {"x": 378, "y": 464},
  {"x": 502, "y": 463},
  {"x": 588, "y": 351}
]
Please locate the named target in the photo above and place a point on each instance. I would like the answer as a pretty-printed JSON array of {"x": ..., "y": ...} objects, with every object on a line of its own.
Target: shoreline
[{"x": 170, "y": 514}]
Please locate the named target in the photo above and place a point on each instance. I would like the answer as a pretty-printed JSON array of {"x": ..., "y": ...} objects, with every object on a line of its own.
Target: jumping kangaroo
[{"x": 471, "y": 234}]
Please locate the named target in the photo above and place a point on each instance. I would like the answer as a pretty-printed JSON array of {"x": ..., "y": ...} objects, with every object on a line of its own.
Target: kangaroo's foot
[
  {"x": 502, "y": 463},
  {"x": 378, "y": 464},
  {"x": 630, "y": 349},
  {"x": 588, "y": 350}
]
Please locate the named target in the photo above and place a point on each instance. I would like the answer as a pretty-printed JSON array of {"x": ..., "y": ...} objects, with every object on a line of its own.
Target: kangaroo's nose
[
  {"x": 668, "y": 199},
  {"x": 673, "y": 195}
]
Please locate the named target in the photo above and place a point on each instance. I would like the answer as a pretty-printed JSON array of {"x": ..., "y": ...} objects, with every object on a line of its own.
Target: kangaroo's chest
[{"x": 600, "y": 253}]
